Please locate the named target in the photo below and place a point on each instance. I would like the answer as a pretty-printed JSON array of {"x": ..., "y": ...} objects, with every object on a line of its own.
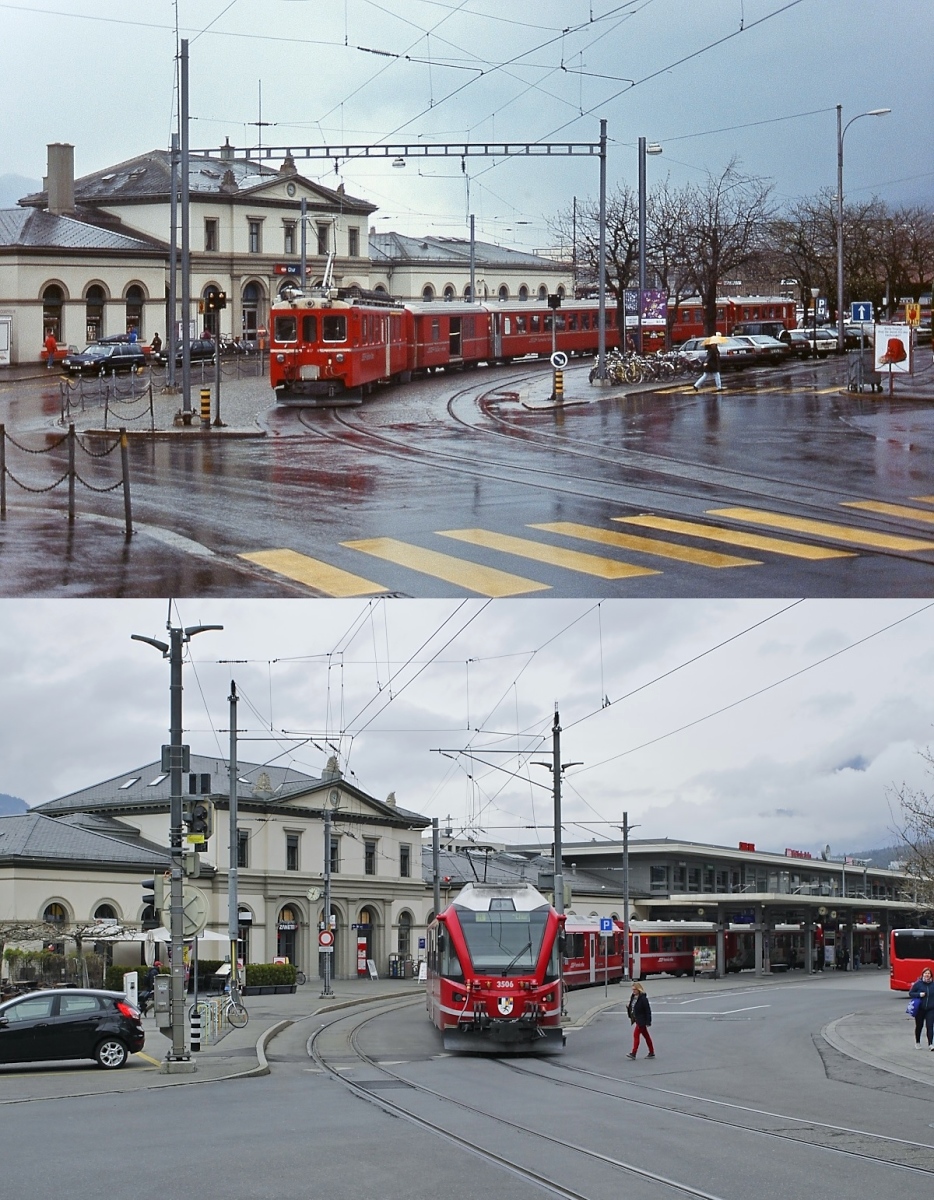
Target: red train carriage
[
  {"x": 494, "y": 979},
  {"x": 331, "y": 346},
  {"x": 687, "y": 320},
  {"x": 655, "y": 947}
]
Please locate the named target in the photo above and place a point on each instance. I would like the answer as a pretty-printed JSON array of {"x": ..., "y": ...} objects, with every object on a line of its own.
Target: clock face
[
  {"x": 334, "y": 798},
  {"x": 290, "y": 188},
  {"x": 195, "y": 907}
]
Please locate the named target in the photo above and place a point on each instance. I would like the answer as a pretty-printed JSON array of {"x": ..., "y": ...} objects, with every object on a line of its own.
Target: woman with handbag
[
  {"x": 640, "y": 1014},
  {"x": 922, "y": 990}
]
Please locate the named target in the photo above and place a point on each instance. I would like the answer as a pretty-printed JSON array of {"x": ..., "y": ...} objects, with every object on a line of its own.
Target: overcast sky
[
  {"x": 708, "y": 80},
  {"x": 686, "y": 747}
]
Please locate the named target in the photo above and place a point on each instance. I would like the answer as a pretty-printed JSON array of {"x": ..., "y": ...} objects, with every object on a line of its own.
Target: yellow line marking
[
  {"x": 892, "y": 510},
  {"x": 625, "y": 541},
  {"x": 924, "y": 499},
  {"x": 485, "y": 581},
  {"x": 149, "y": 1058},
  {"x": 827, "y": 529},
  {"x": 572, "y": 560},
  {"x": 736, "y": 537},
  {"x": 330, "y": 580}
]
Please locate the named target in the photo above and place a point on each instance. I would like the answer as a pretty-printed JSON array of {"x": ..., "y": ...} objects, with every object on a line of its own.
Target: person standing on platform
[
  {"x": 923, "y": 990},
  {"x": 640, "y": 1014}
]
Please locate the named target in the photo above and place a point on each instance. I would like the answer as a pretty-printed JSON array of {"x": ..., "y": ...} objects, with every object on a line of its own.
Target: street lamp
[
  {"x": 841, "y": 132},
  {"x": 644, "y": 149}
]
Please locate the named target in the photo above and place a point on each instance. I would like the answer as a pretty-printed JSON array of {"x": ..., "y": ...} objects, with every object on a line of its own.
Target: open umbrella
[{"x": 714, "y": 340}]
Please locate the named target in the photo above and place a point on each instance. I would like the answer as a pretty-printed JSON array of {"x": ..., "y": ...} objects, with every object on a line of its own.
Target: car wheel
[{"x": 111, "y": 1054}]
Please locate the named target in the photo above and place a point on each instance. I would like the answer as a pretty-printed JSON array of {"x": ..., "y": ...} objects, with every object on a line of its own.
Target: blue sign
[
  {"x": 861, "y": 310},
  {"x": 606, "y": 924}
]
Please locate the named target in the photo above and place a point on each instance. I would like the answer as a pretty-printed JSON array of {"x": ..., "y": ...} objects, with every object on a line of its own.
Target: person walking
[
  {"x": 51, "y": 345},
  {"x": 711, "y": 367},
  {"x": 149, "y": 987},
  {"x": 156, "y": 343},
  {"x": 923, "y": 990},
  {"x": 640, "y": 1014}
]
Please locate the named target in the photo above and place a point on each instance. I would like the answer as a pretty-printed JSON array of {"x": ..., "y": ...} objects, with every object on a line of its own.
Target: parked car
[
  {"x": 67, "y": 1023},
  {"x": 801, "y": 342},
  {"x": 105, "y": 358},
  {"x": 200, "y": 350},
  {"x": 733, "y": 353},
  {"x": 766, "y": 349}
]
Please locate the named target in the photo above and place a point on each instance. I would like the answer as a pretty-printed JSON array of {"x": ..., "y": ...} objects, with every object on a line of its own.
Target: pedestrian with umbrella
[{"x": 712, "y": 362}]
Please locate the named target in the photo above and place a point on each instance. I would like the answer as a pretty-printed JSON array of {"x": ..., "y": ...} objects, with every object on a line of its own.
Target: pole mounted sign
[
  {"x": 861, "y": 310},
  {"x": 326, "y": 941}
]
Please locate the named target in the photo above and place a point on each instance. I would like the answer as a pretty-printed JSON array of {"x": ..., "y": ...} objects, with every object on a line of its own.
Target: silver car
[{"x": 734, "y": 353}]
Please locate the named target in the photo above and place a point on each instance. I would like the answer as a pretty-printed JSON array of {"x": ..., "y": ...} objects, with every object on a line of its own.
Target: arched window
[
  {"x": 287, "y": 933},
  {"x": 251, "y": 307},
  {"x": 52, "y": 300},
  {"x": 428, "y": 292},
  {"x": 467, "y": 295},
  {"x": 448, "y": 292},
  {"x": 55, "y": 913},
  {"x": 94, "y": 299},
  {"x": 134, "y": 308},
  {"x": 543, "y": 293},
  {"x": 523, "y": 293},
  {"x": 105, "y": 912},
  {"x": 503, "y": 292},
  {"x": 561, "y": 290},
  {"x": 405, "y": 935},
  {"x": 210, "y": 321},
  {"x": 380, "y": 290}
]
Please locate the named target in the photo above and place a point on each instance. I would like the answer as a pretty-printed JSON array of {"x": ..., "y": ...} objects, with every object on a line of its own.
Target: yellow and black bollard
[
  {"x": 559, "y": 385},
  {"x": 205, "y": 408}
]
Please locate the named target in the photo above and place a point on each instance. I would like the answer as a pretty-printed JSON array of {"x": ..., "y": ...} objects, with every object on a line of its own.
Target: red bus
[{"x": 910, "y": 951}]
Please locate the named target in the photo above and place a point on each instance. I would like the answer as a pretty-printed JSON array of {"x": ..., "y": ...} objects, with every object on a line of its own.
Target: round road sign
[
  {"x": 325, "y": 938},
  {"x": 559, "y": 359}
]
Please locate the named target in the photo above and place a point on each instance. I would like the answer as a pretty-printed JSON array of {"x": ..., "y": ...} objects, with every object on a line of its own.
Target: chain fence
[{"x": 71, "y": 475}]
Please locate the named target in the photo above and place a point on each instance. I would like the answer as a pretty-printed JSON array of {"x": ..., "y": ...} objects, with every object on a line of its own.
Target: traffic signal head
[
  {"x": 153, "y": 902},
  {"x": 200, "y": 818},
  {"x": 210, "y": 302},
  {"x": 220, "y": 300}
]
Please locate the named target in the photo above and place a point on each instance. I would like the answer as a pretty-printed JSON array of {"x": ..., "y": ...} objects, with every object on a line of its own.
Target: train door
[
  {"x": 497, "y": 335},
  {"x": 637, "y": 956},
  {"x": 592, "y": 957},
  {"x": 454, "y": 338}
]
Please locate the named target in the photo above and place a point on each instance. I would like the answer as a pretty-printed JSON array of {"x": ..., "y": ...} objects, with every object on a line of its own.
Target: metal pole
[
  {"x": 436, "y": 863},
  {"x": 473, "y": 262},
  {"x": 71, "y": 474},
  {"x": 840, "y": 339},
  {"x": 186, "y": 242},
  {"x": 626, "y": 962},
  {"x": 304, "y": 239},
  {"x": 2, "y": 472},
  {"x": 171, "y": 335},
  {"x": 233, "y": 905},
  {"x": 556, "y": 775},
  {"x": 327, "y": 898},
  {"x": 176, "y": 900},
  {"x": 125, "y": 466},
  {"x": 601, "y": 262},
  {"x": 641, "y": 241}
]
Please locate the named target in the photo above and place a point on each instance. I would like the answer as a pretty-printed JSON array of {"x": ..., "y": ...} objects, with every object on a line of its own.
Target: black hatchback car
[
  {"x": 200, "y": 350},
  {"x": 70, "y": 1023},
  {"x": 106, "y": 358}
]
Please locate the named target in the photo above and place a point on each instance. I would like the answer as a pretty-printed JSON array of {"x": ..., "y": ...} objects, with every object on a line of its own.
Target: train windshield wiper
[{"x": 515, "y": 959}]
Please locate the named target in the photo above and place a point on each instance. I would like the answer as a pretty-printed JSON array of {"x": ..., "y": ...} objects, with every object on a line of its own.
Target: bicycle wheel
[
  {"x": 300, "y": 978},
  {"x": 237, "y": 1015}
]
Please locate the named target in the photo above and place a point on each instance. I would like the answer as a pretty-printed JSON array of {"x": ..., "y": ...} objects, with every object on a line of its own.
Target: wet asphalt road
[{"x": 782, "y": 485}]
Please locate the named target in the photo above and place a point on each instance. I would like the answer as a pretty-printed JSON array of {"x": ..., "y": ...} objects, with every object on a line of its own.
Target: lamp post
[
  {"x": 841, "y": 132},
  {"x": 644, "y": 149},
  {"x": 815, "y": 292}
]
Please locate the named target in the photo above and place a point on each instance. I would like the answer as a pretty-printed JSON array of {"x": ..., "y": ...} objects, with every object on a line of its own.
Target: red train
[
  {"x": 655, "y": 947},
  {"x": 326, "y": 345},
  {"x": 687, "y": 320},
  {"x": 494, "y": 971}
]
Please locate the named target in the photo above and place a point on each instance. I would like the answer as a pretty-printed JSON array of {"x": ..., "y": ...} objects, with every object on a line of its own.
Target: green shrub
[{"x": 269, "y": 974}]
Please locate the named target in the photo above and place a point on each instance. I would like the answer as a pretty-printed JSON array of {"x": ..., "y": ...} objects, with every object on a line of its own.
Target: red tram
[
  {"x": 332, "y": 345},
  {"x": 494, "y": 971},
  {"x": 687, "y": 321},
  {"x": 655, "y": 947}
]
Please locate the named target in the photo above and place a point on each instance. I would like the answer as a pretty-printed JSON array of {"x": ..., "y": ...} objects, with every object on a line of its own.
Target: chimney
[
  {"x": 60, "y": 181},
  {"x": 227, "y": 151}
]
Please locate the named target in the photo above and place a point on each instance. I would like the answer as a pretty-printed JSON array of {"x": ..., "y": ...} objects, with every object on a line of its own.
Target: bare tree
[
  {"x": 915, "y": 830},
  {"x": 622, "y": 242},
  {"x": 724, "y": 227}
]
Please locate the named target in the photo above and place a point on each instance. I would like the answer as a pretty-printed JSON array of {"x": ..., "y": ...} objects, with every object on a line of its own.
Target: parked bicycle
[
  {"x": 300, "y": 977},
  {"x": 234, "y": 1009}
]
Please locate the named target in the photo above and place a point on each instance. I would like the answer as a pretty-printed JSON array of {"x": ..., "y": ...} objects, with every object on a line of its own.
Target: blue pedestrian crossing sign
[
  {"x": 606, "y": 924},
  {"x": 861, "y": 310}
]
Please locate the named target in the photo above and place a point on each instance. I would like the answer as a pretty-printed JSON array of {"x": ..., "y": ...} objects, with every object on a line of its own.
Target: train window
[
  {"x": 585, "y": 320},
  {"x": 520, "y": 324},
  {"x": 546, "y": 323},
  {"x": 651, "y": 945},
  {"x": 507, "y": 327},
  {"x": 334, "y": 329},
  {"x": 559, "y": 321},
  {"x": 535, "y": 323},
  {"x": 436, "y": 330},
  {"x": 572, "y": 322},
  {"x": 309, "y": 329},
  {"x": 574, "y": 945},
  {"x": 286, "y": 329}
]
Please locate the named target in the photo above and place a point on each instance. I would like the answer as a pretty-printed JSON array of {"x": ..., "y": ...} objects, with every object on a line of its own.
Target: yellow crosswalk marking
[
  {"x": 924, "y": 499},
  {"x": 827, "y": 529},
  {"x": 320, "y": 575},
  {"x": 892, "y": 510},
  {"x": 555, "y": 556},
  {"x": 736, "y": 537},
  {"x": 485, "y": 581},
  {"x": 626, "y": 541}
]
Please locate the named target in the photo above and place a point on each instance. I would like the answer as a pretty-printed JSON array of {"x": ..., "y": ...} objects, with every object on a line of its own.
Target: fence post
[
  {"x": 2, "y": 472},
  {"x": 71, "y": 474},
  {"x": 125, "y": 464}
]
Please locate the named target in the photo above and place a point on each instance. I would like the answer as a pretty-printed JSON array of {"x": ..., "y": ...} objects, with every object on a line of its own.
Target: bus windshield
[{"x": 503, "y": 943}]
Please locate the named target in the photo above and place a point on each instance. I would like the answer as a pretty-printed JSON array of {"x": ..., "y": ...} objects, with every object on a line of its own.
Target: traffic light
[
  {"x": 153, "y": 902},
  {"x": 200, "y": 819},
  {"x": 210, "y": 302},
  {"x": 220, "y": 300},
  {"x": 554, "y": 301}
]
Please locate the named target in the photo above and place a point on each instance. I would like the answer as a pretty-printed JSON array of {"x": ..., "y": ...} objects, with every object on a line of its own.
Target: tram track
[
  {"x": 675, "y": 484},
  {"x": 818, "y": 1134},
  {"x": 370, "y": 1091}
]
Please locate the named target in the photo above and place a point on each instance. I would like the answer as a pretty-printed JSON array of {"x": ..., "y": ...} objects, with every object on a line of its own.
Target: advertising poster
[{"x": 892, "y": 350}]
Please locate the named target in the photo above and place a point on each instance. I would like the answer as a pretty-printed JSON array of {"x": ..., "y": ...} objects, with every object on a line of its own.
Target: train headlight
[
  {"x": 280, "y": 358},
  {"x": 339, "y": 357}
]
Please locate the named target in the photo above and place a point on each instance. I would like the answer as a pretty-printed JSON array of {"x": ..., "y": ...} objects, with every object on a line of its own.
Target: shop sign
[{"x": 287, "y": 926}]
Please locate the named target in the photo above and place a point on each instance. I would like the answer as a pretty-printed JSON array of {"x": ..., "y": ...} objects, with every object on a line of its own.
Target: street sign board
[
  {"x": 913, "y": 314},
  {"x": 861, "y": 310},
  {"x": 325, "y": 939},
  {"x": 606, "y": 924}
]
